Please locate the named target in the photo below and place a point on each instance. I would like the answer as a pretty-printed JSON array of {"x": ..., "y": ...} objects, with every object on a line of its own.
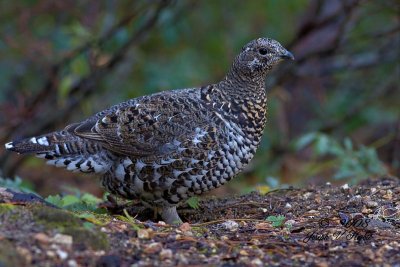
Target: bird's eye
[{"x": 263, "y": 51}]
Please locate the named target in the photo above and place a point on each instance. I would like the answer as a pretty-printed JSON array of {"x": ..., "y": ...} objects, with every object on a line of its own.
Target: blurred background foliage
[{"x": 333, "y": 113}]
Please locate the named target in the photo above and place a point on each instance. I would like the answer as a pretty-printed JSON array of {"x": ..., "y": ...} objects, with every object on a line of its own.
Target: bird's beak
[{"x": 287, "y": 55}]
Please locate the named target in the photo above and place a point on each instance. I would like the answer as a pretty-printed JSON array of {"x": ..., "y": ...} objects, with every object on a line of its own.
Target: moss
[
  {"x": 9, "y": 256},
  {"x": 52, "y": 218},
  {"x": 69, "y": 224},
  {"x": 6, "y": 207},
  {"x": 12, "y": 213},
  {"x": 88, "y": 237}
]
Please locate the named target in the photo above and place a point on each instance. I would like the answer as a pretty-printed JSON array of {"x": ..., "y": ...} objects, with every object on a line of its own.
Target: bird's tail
[{"x": 63, "y": 149}]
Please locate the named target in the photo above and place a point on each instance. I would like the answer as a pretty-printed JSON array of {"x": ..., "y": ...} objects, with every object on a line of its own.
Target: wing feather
[{"x": 153, "y": 126}]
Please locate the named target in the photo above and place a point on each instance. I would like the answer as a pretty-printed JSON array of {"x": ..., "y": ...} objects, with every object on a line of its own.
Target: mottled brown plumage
[{"x": 166, "y": 147}]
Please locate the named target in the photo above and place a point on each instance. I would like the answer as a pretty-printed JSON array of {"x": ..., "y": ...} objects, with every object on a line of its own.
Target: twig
[{"x": 224, "y": 220}]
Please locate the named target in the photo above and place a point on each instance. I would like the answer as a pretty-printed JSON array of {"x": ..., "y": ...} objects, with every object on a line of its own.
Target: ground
[{"x": 314, "y": 226}]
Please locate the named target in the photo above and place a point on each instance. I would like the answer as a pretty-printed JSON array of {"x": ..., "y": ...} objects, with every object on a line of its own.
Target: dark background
[{"x": 333, "y": 113}]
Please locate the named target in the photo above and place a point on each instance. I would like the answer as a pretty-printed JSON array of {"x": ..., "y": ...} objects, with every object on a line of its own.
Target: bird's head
[{"x": 260, "y": 55}]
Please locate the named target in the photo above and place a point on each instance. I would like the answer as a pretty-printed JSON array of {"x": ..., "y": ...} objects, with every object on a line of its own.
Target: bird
[{"x": 166, "y": 147}]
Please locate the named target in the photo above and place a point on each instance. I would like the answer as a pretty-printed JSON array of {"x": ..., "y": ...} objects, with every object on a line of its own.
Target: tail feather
[
  {"x": 62, "y": 149},
  {"x": 31, "y": 145}
]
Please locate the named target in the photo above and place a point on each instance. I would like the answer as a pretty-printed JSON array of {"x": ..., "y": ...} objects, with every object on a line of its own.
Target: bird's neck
[
  {"x": 240, "y": 86},
  {"x": 246, "y": 94}
]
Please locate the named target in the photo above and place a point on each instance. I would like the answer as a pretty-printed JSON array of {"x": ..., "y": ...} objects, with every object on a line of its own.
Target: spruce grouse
[{"x": 166, "y": 147}]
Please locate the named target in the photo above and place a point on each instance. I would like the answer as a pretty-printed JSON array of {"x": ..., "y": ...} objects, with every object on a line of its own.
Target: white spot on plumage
[
  {"x": 167, "y": 161},
  {"x": 120, "y": 172},
  {"x": 139, "y": 165},
  {"x": 60, "y": 163},
  {"x": 72, "y": 165},
  {"x": 196, "y": 141},
  {"x": 98, "y": 167},
  {"x": 194, "y": 161},
  {"x": 51, "y": 162},
  {"x": 84, "y": 166},
  {"x": 57, "y": 149},
  {"x": 43, "y": 141},
  {"x": 156, "y": 117},
  {"x": 127, "y": 162},
  {"x": 181, "y": 149},
  {"x": 9, "y": 145},
  {"x": 33, "y": 140}
]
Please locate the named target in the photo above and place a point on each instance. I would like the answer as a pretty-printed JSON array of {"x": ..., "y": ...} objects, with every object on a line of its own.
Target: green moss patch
[
  {"x": 52, "y": 218},
  {"x": 6, "y": 207},
  {"x": 92, "y": 238}
]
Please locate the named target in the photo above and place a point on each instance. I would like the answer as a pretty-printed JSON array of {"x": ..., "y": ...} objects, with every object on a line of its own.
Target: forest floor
[{"x": 314, "y": 226}]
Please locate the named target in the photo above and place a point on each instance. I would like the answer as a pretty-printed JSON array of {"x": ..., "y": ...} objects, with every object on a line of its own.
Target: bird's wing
[{"x": 155, "y": 126}]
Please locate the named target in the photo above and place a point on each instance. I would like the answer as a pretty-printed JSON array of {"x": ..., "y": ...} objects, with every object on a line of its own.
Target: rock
[
  {"x": 25, "y": 253},
  {"x": 256, "y": 262},
  {"x": 185, "y": 227},
  {"x": 371, "y": 204},
  {"x": 152, "y": 248},
  {"x": 166, "y": 254},
  {"x": 307, "y": 195},
  {"x": 230, "y": 225},
  {"x": 143, "y": 234},
  {"x": 72, "y": 263},
  {"x": 290, "y": 223},
  {"x": 388, "y": 195},
  {"x": 62, "y": 239},
  {"x": 62, "y": 254},
  {"x": 42, "y": 238},
  {"x": 243, "y": 252}
]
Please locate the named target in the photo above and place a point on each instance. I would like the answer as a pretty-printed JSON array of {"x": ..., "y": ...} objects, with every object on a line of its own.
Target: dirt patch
[{"x": 316, "y": 226}]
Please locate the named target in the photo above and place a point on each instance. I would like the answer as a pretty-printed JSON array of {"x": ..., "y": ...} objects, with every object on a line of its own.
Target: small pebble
[
  {"x": 165, "y": 254},
  {"x": 42, "y": 237},
  {"x": 230, "y": 225},
  {"x": 50, "y": 254},
  {"x": 62, "y": 254},
  {"x": 345, "y": 187},
  {"x": 62, "y": 239},
  {"x": 290, "y": 223},
  {"x": 388, "y": 195},
  {"x": 25, "y": 253},
  {"x": 224, "y": 238},
  {"x": 143, "y": 234},
  {"x": 152, "y": 248},
  {"x": 243, "y": 253},
  {"x": 185, "y": 227},
  {"x": 256, "y": 262},
  {"x": 371, "y": 204},
  {"x": 72, "y": 263}
]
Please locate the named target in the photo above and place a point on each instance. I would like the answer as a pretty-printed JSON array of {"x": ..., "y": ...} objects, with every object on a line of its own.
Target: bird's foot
[{"x": 170, "y": 215}]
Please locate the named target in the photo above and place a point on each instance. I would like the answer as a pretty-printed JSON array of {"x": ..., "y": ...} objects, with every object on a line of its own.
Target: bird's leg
[{"x": 170, "y": 215}]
